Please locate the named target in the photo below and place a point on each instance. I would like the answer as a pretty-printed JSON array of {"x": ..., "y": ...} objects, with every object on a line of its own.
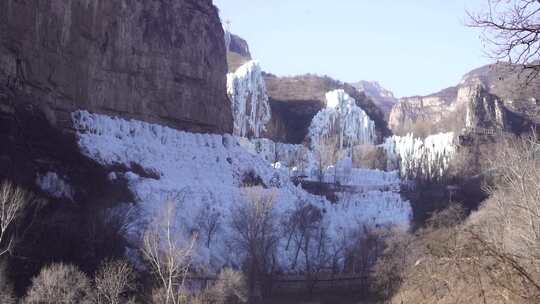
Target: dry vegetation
[
  {"x": 492, "y": 257},
  {"x": 369, "y": 156}
]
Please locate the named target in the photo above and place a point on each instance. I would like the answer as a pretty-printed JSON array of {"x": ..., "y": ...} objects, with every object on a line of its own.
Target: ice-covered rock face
[
  {"x": 343, "y": 121},
  {"x": 249, "y": 101},
  {"x": 207, "y": 172},
  {"x": 413, "y": 156}
]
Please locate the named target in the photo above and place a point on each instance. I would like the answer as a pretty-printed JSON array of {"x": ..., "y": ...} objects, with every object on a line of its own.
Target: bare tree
[
  {"x": 307, "y": 238},
  {"x": 512, "y": 28},
  {"x": 168, "y": 255},
  {"x": 255, "y": 226},
  {"x": 12, "y": 202},
  {"x": 208, "y": 221},
  {"x": 326, "y": 154},
  {"x": 113, "y": 281}
]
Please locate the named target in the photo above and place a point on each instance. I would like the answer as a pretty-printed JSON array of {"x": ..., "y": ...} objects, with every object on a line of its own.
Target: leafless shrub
[
  {"x": 364, "y": 246},
  {"x": 60, "y": 283},
  {"x": 168, "y": 256},
  {"x": 368, "y": 156},
  {"x": 389, "y": 271},
  {"x": 6, "y": 289},
  {"x": 12, "y": 202},
  {"x": 113, "y": 281},
  {"x": 507, "y": 231},
  {"x": 230, "y": 288},
  {"x": 256, "y": 235}
]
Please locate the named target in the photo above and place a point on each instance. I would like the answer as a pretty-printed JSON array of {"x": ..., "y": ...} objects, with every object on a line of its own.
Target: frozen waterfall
[
  {"x": 343, "y": 121},
  {"x": 414, "y": 156},
  {"x": 249, "y": 101}
]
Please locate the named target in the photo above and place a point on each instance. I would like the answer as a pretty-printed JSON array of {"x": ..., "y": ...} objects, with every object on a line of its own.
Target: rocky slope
[
  {"x": 238, "y": 52},
  {"x": 494, "y": 96},
  {"x": 382, "y": 97},
  {"x": 160, "y": 61}
]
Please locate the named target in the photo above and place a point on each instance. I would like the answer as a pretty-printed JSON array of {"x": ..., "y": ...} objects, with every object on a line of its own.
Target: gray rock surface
[
  {"x": 494, "y": 96},
  {"x": 160, "y": 61}
]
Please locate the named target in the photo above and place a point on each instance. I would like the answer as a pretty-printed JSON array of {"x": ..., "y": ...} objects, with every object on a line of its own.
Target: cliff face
[
  {"x": 496, "y": 96},
  {"x": 431, "y": 108},
  {"x": 159, "y": 61},
  {"x": 485, "y": 110},
  {"x": 237, "y": 51}
]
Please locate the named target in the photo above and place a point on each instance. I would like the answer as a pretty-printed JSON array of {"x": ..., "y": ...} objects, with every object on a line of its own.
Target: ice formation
[
  {"x": 342, "y": 120},
  {"x": 52, "y": 184},
  {"x": 208, "y": 170},
  {"x": 249, "y": 101},
  {"x": 412, "y": 156}
]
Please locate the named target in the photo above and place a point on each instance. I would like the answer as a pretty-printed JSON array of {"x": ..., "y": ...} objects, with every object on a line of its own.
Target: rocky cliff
[
  {"x": 157, "y": 61},
  {"x": 494, "y": 96},
  {"x": 237, "y": 51}
]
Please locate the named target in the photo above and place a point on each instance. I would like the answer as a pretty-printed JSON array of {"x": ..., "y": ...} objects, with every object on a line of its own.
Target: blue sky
[{"x": 413, "y": 47}]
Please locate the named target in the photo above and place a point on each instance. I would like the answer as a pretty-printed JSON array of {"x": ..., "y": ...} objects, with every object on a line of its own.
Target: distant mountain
[{"x": 382, "y": 97}]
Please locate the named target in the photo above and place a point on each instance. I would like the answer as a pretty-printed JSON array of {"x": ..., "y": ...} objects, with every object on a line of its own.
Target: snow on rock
[
  {"x": 343, "y": 120},
  {"x": 249, "y": 101},
  {"x": 207, "y": 172},
  {"x": 343, "y": 173},
  {"x": 54, "y": 185},
  {"x": 412, "y": 156},
  {"x": 298, "y": 159}
]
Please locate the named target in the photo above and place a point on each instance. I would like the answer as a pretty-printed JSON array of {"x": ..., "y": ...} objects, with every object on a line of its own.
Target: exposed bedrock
[{"x": 158, "y": 61}]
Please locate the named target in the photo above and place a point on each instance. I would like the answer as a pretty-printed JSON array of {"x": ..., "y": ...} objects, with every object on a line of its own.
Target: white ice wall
[
  {"x": 430, "y": 156},
  {"x": 249, "y": 101},
  {"x": 342, "y": 119},
  {"x": 207, "y": 171}
]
